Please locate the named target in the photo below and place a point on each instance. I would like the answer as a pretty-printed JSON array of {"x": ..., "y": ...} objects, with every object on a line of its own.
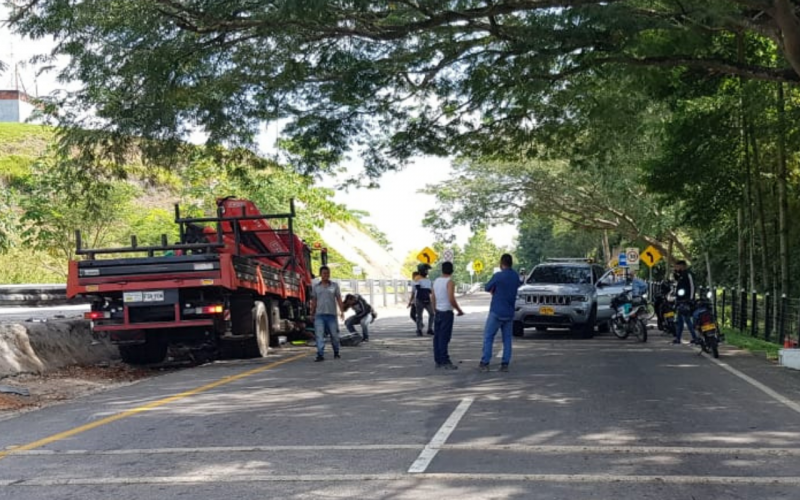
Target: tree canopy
[{"x": 387, "y": 79}]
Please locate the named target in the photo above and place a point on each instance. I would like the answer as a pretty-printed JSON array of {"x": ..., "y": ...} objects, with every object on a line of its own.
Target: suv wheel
[{"x": 519, "y": 330}]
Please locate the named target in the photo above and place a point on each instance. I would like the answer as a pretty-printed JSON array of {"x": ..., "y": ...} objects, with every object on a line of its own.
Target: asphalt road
[{"x": 573, "y": 419}]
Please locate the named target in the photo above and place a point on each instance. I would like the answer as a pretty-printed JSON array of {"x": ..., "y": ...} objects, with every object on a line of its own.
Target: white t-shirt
[{"x": 442, "y": 295}]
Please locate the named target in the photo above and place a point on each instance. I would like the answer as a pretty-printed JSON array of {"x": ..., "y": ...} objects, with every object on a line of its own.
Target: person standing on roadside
[
  {"x": 411, "y": 301},
  {"x": 325, "y": 297},
  {"x": 422, "y": 299},
  {"x": 684, "y": 301},
  {"x": 444, "y": 302},
  {"x": 503, "y": 287}
]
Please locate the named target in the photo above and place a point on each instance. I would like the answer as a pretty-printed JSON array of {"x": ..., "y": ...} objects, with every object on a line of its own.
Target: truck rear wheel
[
  {"x": 261, "y": 328},
  {"x": 152, "y": 351}
]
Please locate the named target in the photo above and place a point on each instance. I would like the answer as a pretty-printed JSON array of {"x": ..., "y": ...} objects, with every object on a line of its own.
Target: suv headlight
[{"x": 579, "y": 298}]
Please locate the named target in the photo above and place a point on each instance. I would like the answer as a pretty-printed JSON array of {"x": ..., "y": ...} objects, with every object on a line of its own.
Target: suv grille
[{"x": 556, "y": 300}]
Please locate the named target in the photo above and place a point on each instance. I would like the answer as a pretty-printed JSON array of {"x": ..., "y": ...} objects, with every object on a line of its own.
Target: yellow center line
[{"x": 135, "y": 411}]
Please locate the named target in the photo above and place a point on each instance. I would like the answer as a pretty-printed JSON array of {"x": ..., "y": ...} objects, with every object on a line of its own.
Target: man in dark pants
[
  {"x": 364, "y": 315},
  {"x": 444, "y": 302},
  {"x": 422, "y": 299},
  {"x": 684, "y": 300}
]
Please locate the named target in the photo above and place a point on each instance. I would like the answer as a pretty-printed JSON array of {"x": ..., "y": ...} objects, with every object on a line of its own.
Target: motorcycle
[
  {"x": 665, "y": 309},
  {"x": 706, "y": 325},
  {"x": 629, "y": 316}
]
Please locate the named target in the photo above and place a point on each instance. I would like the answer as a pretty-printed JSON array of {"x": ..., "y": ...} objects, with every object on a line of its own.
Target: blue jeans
[
  {"x": 443, "y": 332},
  {"x": 327, "y": 322},
  {"x": 681, "y": 318},
  {"x": 494, "y": 323},
  {"x": 352, "y": 321}
]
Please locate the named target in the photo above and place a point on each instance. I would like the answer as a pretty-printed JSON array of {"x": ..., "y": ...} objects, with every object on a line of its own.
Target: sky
[{"x": 396, "y": 207}]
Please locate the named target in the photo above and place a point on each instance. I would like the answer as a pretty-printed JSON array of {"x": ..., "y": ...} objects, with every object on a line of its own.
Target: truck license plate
[
  {"x": 547, "y": 311},
  {"x": 149, "y": 296}
]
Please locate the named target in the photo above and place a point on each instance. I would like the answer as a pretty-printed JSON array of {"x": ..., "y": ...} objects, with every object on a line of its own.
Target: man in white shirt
[{"x": 444, "y": 302}]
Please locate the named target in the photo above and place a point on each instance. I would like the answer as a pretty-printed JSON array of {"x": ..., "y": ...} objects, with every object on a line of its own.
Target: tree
[
  {"x": 390, "y": 79},
  {"x": 56, "y": 204}
]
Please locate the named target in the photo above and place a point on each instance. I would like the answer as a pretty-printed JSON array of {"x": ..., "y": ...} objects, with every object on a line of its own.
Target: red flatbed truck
[{"x": 231, "y": 285}]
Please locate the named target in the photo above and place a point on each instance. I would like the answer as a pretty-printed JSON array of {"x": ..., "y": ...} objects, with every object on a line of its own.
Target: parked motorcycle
[
  {"x": 629, "y": 316},
  {"x": 706, "y": 326},
  {"x": 665, "y": 308}
]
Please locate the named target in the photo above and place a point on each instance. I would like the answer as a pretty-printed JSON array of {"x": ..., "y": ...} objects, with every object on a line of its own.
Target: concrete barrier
[{"x": 42, "y": 347}]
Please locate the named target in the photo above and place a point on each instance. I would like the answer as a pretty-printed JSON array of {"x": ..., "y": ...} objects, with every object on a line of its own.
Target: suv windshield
[{"x": 576, "y": 275}]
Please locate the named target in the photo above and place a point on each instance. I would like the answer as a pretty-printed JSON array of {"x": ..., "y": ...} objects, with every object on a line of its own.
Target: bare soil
[{"x": 66, "y": 384}]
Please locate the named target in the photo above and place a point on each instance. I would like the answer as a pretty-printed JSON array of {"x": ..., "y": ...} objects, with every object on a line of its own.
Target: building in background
[{"x": 15, "y": 106}]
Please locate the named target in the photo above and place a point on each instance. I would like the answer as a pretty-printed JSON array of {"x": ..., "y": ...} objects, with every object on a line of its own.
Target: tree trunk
[
  {"x": 789, "y": 25},
  {"x": 762, "y": 217},
  {"x": 708, "y": 272},
  {"x": 606, "y": 247},
  {"x": 783, "y": 203},
  {"x": 741, "y": 246}
]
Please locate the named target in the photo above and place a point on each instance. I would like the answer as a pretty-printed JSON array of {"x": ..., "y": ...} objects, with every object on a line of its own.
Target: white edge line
[
  {"x": 758, "y": 385},
  {"x": 218, "y": 449},
  {"x": 438, "y": 440},
  {"x": 472, "y": 477}
]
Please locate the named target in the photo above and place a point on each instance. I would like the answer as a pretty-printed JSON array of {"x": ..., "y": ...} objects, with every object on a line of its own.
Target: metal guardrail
[{"x": 379, "y": 292}]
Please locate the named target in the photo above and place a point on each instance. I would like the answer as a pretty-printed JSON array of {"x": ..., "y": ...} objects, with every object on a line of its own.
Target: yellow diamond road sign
[
  {"x": 477, "y": 266},
  {"x": 651, "y": 256},
  {"x": 427, "y": 256}
]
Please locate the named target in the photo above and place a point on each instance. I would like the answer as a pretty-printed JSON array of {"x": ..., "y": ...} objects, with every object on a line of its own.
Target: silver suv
[{"x": 566, "y": 293}]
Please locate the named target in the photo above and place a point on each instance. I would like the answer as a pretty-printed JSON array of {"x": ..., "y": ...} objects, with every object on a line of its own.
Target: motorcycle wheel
[
  {"x": 714, "y": 347},
  {"x": 619, "y": 330},
  {"x": 640, "y": 330}
]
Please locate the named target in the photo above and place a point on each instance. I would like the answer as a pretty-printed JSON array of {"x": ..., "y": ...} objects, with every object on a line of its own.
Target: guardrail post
[
  {"x": 754, "y": 314},
  {"x": 384, "y": 283},
  {"x": 714, "y": 302},
  {"x": 722, "y": 316},
  {"x": 394, "y": 287},
  {"x": 767, "y": 316},
  {"x": 371, "y": 286},
  {"x": 743, "y": 311}
]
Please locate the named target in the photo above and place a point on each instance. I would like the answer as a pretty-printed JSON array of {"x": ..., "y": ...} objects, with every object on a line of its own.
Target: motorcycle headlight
[
  {"x": 681, "y": 292},
  {"x": 709, "y": 295},
  {"x": 644, "y": 295}
]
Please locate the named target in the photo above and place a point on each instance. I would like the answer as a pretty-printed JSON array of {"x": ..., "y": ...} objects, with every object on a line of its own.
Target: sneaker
[
  {"x": 439, "y": 366},
  {"x": 430, "y": 333},
  {"x": 419, "y": 334},
  {"x": 676, "y": 341},
  {"x": 365, "y": 339},
  {"x": 319, "y": 358},
  {"x": 336, "y": 356},
  {"x": 483, "y": 368},
  {"x": 504, "y": 367},
  {"x": 450, "y": 366}
]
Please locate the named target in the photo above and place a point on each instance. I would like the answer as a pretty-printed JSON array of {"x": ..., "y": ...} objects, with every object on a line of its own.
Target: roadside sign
[
  {"x": 632, "y": 256},
  {"x": 448, "y": 255},
  {"x": 477, "y": 266},
  {"x": 651, "y": 256},
  {"x": 427, "y": 256},
  {"x": 623, "y": 260},
  {"x": 613, "y": 263}
]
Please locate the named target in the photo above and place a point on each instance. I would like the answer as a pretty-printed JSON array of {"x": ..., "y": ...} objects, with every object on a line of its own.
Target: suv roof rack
[{"x": 572, "y": 259}]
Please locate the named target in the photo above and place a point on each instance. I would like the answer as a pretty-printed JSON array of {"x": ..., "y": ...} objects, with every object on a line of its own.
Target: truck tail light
[
  {"x": 97, "y": 315},
  {"x": 215, "y": 309},
  {"x": 212, "y": 309}
]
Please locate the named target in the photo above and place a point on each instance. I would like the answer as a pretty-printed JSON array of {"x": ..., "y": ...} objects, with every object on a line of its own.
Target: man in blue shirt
[{"x": 503, "y": 287}]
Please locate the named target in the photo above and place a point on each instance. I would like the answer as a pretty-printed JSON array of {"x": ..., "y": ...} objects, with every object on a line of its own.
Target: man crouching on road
[
  {"x": 503, "y": 287},
  {"x": 444, "y": 301},
  {"x": 325, "y": 297}
]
